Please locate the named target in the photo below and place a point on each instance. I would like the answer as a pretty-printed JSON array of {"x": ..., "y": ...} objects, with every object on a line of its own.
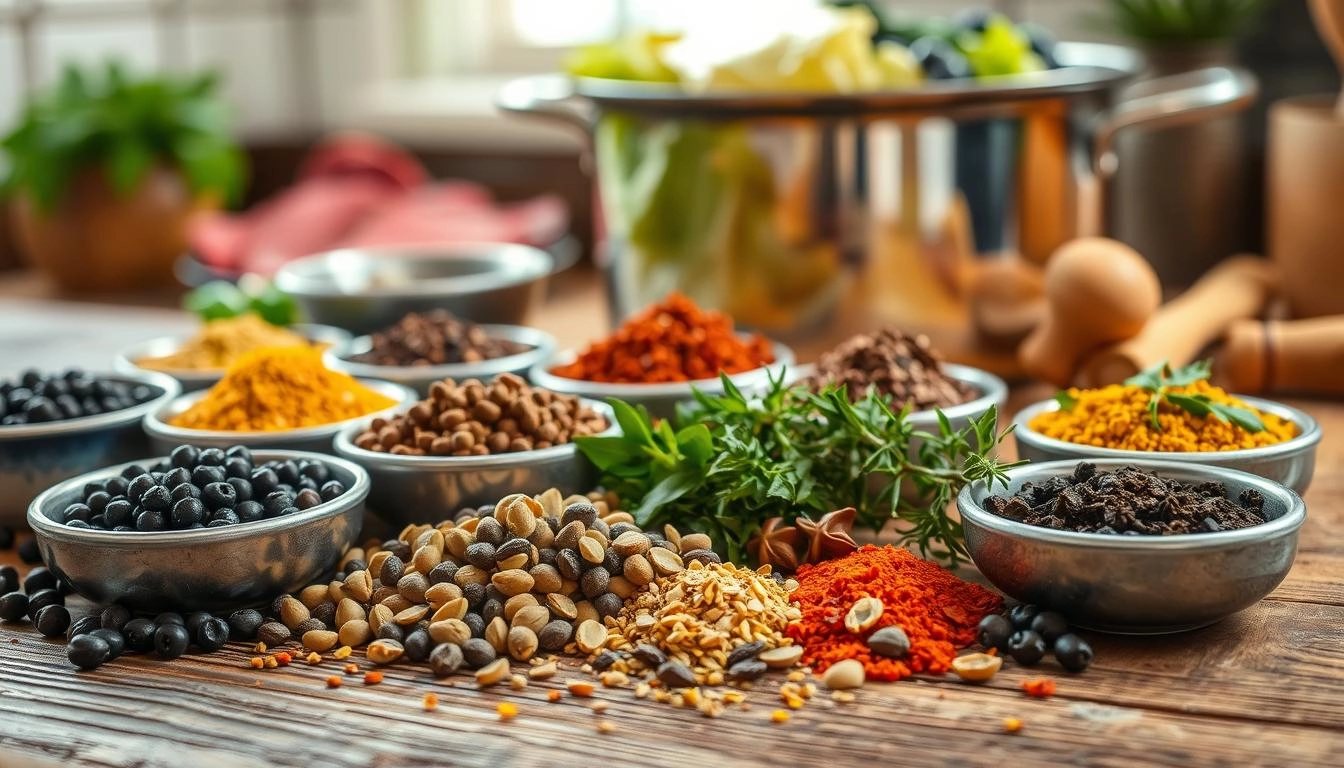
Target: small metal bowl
[
  {"x": 33, "y": 457},
  {"x": 990, "y": 391},
  {"x": 1135, "y": 584},
  {"x": 365, "y": 289},
  {"x": 164, "y": 437},
  {"x": 413, "y": 489},
  {"x": 191, "y": 381},
  {"x": 420, "y": 377},
  {"x": 660, "y": 399},
  {"x": 212, "y": 569},
  {"x": 1291, "y": 462}
]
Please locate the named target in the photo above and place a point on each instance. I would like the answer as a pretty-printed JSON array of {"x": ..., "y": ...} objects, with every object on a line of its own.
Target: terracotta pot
[{"x": 98, "y": 242}]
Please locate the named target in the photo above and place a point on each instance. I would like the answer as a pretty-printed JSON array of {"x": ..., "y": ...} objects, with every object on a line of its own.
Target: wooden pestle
[
  {"x": 1297, "y": 356},
  {"x": 1236, "y": 289},
  {"x": 1098, "y": 291},
  {"x": 1329, "y": 18}
]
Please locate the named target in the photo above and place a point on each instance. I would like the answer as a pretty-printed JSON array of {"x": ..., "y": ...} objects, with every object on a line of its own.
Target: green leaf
[
  {"x": 604, "y": 451},
  {"x": 1242, "y": 417},
  {"x": 635, "y": 422},
  {"x": 1190, "y": 374},
  {"x": 671, "y": 488},
  {"x": 1197, "y": 405},
  {"x": 129, "y": 162},
  {"x": 696, "y": 444},
  {"x": 1067, "y": 402},
  {"x": 1153, "y": 403},
  {"x": 1149, "y": 379}
]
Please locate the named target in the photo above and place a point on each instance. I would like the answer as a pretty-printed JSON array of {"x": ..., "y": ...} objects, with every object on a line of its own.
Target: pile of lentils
[
  {"x": 202, "y": 488},
  {"x": 434, "y": 338},
  {"x": 1027, "y": 633},
  {"x": 529, "y": 575},
  {"x": 902, "y": 367},
  {"x": 1129, "y": 501},
  {"x": 476, "y": 419},
  {"x": 38, "y": 398}
]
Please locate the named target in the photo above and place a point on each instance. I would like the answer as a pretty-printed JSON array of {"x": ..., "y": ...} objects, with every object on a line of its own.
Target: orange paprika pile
[
  {"x": 938, "y": 611},
  {"x": 668, "y": 342}
]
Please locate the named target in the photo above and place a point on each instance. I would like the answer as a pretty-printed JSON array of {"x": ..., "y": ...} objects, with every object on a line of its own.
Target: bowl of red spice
[
  {"x": 1147, "y": 547},
  {"x": 659, "y": 355}
]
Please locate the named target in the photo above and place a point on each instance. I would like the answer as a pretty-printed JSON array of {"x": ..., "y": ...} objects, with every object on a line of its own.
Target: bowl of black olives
[
  {"x": 55, "y": 425},
  {"x": 203, "y": 529}
]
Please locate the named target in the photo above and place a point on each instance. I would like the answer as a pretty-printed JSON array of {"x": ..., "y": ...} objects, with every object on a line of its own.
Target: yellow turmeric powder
[
  {"x": 220, "y": 342},
  {"x": 1117, "y": 417},
  {"x": 280, "y": 388}
]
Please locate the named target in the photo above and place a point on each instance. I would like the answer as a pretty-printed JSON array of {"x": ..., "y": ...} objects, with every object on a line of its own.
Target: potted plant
[{"x": 105, "y": 171}]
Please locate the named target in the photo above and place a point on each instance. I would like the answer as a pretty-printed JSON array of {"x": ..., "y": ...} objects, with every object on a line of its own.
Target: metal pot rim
[{"x": 516, "y": 264}]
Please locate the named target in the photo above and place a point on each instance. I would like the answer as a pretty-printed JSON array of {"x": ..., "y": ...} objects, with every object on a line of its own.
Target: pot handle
[
  {"x": 1189, "y": 97},
  {"x": 549, "y": 97}
]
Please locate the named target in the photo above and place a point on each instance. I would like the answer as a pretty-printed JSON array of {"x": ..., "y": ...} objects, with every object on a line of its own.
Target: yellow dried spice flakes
[{"x": 221, "y": 342}]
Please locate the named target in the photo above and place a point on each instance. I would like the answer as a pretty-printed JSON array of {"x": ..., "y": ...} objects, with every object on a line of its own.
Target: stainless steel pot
[{"x": 783, "y": 208}]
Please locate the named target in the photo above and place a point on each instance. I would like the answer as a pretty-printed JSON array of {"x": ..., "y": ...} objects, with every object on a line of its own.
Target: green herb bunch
[
  {"x": 736, "y": 461},
  {"x": 126, "y": 126},
  {"x": 1179, "y": 21},
  {"x": 1159, "y": 381}
]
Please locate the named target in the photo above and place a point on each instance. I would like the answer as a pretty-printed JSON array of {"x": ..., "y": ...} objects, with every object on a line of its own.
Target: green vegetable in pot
[{"x": 221, "y": 299}]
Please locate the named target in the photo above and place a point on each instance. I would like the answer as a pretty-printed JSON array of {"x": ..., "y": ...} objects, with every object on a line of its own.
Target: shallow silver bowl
[
  {"x": 990, "y": 391},
  {"x": 420, "y": 377},
  {"x": 191, "y": 381},
  {"x": 413, "y": 489},
  {"x": 164, "y": 437},
  {"x": 1291, "y": 462},
  {"x": 366, "y": 289},
  {"x": 660, "y": 399},
  {"x": 1135, "y": 584},
  {"x": 210, "y": 569},
  {"x": 35, "y": 456}
]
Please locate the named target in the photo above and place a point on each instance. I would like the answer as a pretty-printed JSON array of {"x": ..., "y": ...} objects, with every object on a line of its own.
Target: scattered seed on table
[
  {"x": 492, "y": 673},
  {"x": 313, "y": 658},
  {"x": 333, "y": 682},
  {"x": 844, "y": 674},
  {"x": 553, "y": 695},
  {"x": 1012, "y": 724},
  {"x": 581, "y": 688},
  {"x": 605, "y": 726},
  {"x": 373, "y": 677},
  {"x": 257, "y": 662},
  {"x": 506, "y": 710},
  {"x": 779, "y": 716}
]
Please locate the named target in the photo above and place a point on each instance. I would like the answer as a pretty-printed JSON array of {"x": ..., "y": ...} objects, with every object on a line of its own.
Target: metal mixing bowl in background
[
  {"x": 164, "y": 437},
  {"x": 1290, "y": 462},
  {"x": 210, "y": 569},
  {"x": 35, "y": 456},
  {"x": 418, "y": 489},
  {"x": 1135, "y": 584},
  {"x": 420, "y": 377},
  {"x": 126, "y": 360},
  {"x": 367, "y": 289},
  {"x": 660, "y": 399}
]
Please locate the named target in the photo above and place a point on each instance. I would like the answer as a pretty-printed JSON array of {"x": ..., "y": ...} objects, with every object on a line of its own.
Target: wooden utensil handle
[
  {"x": 1234, "y": 290},
  {"x": 1294, "y": 356},
  {"x": 1329, "y": 17}
]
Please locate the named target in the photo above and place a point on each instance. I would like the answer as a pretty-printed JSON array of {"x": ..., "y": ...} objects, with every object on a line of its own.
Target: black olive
[
  {"x": 243, "y": 624},
  {"x": 114, "y": 617},
  {"x": 275, "y": 502},
  {"x": 168, "y": 617},
  {"x": 188, "y": 512},
  {"x": 29, "y": 553},
  {"x": 211, "y": 457},
  {"x": 1026, "y": 647},
  {"x": 204, "y": 475},
  {"x": 139, "y": 634},
  {"x": 150, "y": 521},
  {"x": 185, "y": 456},
  {"x": 264, "y": 481},
  {"x": 307, "y": 499},
  {"x": 88, "y": 651},
  {"x": 117, "y": 486},
  {"x": 249, "y": 511},
  {"x": 13, "y": 606},
  {"x": 242, "y": 489},
  {"x": 1073, "y": 652},
  {"x": 1050, "y": 625},
  {"x": 38, "y": 579},
  {"x": 994, "y": 631},
  {"x": 118, "y": 512},
  {"x": 83, "y": 626},
  {"x": 211, "y": 634},
  {"x": 9, "y": 579},
  {"x": 52, "y": 620},
  {"x": 222, "y": 518},
  {"x": 1022, "y": 615},
  {"x": 116, "y": 643},
  {"x": 331, "y": 490},
  {"x": 80, "y": 512},
  {"x": 136, "y": 490},
  {"x": 171, "y": 640},
  {"x": 41, "y": 599},
  {"x": 185, "y": 491}
]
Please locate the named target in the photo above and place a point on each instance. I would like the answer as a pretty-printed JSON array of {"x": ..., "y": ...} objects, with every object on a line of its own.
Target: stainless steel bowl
[
  {"x": 191, "y": 381},
  {"x": 164, "y": 437},
  {"x": 990, "y": 391},
  {"x": 413, "y": 489},
  {"x": 33, "y": 457},
  {"x": 1135, "y": 584},
  {"x": 367, "y": 289},
  {"x": 420, "y": 377},
  {"x": 660, "y": 399},
  {"x": 212, "y": 569},
  {"x": 1291, "y": 462}
]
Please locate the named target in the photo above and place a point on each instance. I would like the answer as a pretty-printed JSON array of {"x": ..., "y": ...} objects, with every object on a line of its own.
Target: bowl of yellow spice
[
  {"x": 1175, "y": 415},
  {"x": 199, "y": 360},
  {"x": 277, "y": 398}
]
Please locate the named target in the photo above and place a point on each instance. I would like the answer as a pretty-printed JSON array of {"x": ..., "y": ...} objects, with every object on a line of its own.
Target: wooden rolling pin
[
  {"x": 1237, "y": 289},
  {"x": 1303, "y": 357}
]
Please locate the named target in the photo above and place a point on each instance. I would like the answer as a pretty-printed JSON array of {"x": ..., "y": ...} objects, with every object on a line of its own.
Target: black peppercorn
[
  {"x": 52, "y": 620},
  {"x": 243, "y": 624},
  {"x": 211, "y": 634}
]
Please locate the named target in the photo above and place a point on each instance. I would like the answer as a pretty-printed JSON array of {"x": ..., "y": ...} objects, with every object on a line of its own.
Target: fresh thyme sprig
[{"x": 736, "y": 461}]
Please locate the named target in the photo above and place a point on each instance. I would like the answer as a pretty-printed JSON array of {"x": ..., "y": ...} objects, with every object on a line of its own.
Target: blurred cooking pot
[{"x": 782, "y": 207}]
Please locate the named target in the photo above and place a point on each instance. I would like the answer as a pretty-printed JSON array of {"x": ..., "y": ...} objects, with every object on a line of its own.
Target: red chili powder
[{"x": 938, "y": 611}]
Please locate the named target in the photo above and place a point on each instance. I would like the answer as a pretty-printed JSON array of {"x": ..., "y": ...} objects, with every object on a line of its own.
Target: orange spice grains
[
  {"x": 938, "y": 611},
  {"x": 668, "y": 342}
]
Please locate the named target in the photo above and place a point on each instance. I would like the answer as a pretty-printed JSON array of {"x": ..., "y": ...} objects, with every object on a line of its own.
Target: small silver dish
[
  {"x": 413, "y": 489},
  {"x": 660, "y": 399},
  {"x": 1139, "y": 585},
  {"x": 420, "y": 377},
  {"x": 34, "y": 457},
  {"x": 211, "y": 569},
  {"x": 365, "y": 289},
  {"x": 164, "y": 437},
  {"x": 191, "y": 381},
  {"x": 990, "y": 391},
  {"x": 1291, "y": 462}
]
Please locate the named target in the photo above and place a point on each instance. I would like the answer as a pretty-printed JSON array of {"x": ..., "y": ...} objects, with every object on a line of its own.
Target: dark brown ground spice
[
  {"x": 898, "y": 365},
  {"x": 1129, "y": 501},
  {"x": 435, "y": 338}
]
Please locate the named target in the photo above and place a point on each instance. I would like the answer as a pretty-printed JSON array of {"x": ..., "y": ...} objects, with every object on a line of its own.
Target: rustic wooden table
[{"x": 1265, "y": 687}]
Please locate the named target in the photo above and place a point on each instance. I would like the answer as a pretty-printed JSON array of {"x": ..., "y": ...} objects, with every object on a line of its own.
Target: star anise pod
[
  {"x": 777, "y": 545},
  {"x": 828, "y": 538}
]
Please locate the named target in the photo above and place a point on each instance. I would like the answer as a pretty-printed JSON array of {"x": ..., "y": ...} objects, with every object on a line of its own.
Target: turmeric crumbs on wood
[
  {"x": 281, "y": 388},
  {"x": 1117, "y": 417},
  {"x": 669, "y": 342}
]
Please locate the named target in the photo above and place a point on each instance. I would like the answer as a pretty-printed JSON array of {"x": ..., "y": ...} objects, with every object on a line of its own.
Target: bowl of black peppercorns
[
  {"x": 55, "y": 425},
  {"x": 200, "y": 529}
]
